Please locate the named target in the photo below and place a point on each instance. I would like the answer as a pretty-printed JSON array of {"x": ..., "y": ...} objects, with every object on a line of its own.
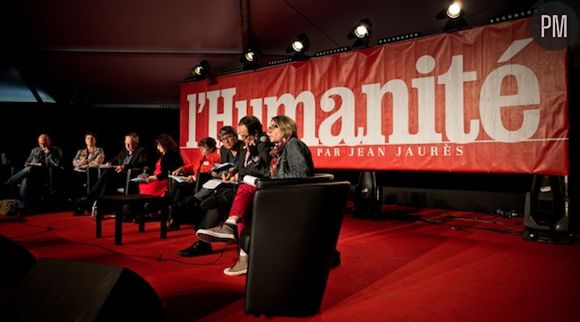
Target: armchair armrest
[
  {"x": 131, "y": 173},
  {"x": 316, "y": 178}
]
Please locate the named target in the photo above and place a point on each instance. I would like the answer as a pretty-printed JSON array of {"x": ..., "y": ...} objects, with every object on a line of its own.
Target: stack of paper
[
  {"x": 179, "y": 179},
  {"x": 213, "y": 183}
]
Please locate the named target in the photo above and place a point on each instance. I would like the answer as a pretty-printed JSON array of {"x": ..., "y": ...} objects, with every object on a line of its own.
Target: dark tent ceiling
[{"x": 120, "y": 52}]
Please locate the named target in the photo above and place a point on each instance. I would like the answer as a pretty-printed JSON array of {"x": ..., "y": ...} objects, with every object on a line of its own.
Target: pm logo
[{"x": 554, "y": 26}]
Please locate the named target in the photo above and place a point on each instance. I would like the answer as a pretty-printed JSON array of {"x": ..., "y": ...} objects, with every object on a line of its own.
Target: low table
[{"x": 135, "y": 202}]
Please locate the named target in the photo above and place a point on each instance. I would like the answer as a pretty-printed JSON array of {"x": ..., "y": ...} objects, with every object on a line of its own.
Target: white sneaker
[{"x": 239, "y": 268}]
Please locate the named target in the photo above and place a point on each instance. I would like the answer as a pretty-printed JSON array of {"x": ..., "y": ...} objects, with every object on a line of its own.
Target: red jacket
[{"x": 204, "y": 165}]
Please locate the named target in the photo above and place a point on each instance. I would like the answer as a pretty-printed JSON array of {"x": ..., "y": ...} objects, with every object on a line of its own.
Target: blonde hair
[{"x": 286, "y": 125}]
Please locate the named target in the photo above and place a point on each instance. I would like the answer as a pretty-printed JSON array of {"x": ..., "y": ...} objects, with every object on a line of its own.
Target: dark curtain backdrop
[{"x": 22, "y": 123}]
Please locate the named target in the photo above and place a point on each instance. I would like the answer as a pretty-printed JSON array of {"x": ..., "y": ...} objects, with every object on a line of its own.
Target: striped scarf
[{"x": 276, "y": 153}]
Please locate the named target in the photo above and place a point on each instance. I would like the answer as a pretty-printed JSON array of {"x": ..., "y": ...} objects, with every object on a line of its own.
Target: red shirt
[{"x": 204, "y": 165}]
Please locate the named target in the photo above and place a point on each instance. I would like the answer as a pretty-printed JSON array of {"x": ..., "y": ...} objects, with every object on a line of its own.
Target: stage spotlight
[
  {"x": 298, "y": 47},
  {"x": 250, "y": 58},
  {"x": 199, "y": 72},
  {"x": 455, "y": 17},
  {"x": 454, "y": 10},
  {"x": 361, "y": 33},
  {"x": 252, "y": 55}
]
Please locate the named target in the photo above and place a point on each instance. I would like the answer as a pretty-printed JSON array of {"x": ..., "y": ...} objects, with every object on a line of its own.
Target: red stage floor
[{"x": 420, "y": 265}]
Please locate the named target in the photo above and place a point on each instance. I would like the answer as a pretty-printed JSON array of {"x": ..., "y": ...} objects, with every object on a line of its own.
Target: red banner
[{"x": 487, "y": 99}]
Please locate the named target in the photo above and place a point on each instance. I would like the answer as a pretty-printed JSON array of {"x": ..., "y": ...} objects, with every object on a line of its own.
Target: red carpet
[{"x": 428, "y": 265}]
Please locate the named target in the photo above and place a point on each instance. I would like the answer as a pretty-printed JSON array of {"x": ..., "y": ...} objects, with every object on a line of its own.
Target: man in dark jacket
[{"x": 40, "y": 167}]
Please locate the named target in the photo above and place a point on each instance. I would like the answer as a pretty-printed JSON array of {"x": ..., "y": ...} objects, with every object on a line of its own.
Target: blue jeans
[
  {"x": 22, "y": 178},
  {"x": 32, "y": 181}
]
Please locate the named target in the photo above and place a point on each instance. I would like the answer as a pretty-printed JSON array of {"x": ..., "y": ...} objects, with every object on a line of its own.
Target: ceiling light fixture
[
  {"x": 199, "y": 72},
  {"x": 454, "y": 10},
  {"x": 454, "y": 14},
  {"x": 298, "y": 47},
  {"x": 250, "y": 58},
  {"x": 361, "y": 33}
]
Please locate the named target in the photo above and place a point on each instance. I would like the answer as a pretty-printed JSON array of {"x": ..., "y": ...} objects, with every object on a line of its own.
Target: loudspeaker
[
  {"x": 546, "y": 216},
  {"x": 56, "y": 290},
  {"x": 16, "y": 262},
  {"x": 547, "y": 204}
]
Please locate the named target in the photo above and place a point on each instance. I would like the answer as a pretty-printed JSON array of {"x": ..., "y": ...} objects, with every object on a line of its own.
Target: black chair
[
  {"x": 114, "y": 183},
  {"x": 83, "y": 179},
  {"x": 44, "y": 186},
  {"x": 294, "y": 227},
  {"x": 182, "y": 206},
  {"x": 130, "y": 186}
]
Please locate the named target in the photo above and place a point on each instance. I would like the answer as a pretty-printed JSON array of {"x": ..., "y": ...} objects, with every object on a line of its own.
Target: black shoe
[
  {"x": 128, "y": 217},
  {"x": 21, "y": 209},
  {"x": 152, "y": 217},
  {"x": 78, "y": 211},
  {"x": 78, "y": 206},
  {"x": 197, "y": 249},
  {"x": 173, "y": 225}
]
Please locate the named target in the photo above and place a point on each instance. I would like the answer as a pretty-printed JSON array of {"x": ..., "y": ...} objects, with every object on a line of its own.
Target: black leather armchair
[{"x": 293, "y": 234}]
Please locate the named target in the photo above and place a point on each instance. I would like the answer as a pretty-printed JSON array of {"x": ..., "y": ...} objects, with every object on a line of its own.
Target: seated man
[{"x": 39, "y": 168}]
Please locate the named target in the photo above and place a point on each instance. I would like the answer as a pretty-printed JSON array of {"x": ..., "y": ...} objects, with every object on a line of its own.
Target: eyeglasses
[
  {"x": 273, "y": 127},
  {"x": 227, "y": 137}
]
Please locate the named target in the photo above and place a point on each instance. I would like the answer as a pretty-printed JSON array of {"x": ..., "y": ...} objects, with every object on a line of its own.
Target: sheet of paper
[{"x": 212, "y": 184}]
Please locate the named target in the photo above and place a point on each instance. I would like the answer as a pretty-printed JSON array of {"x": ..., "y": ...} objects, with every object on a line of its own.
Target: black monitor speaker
[
  {"x": 546, "y": 215},
  {"x": 57, "y": 290}
]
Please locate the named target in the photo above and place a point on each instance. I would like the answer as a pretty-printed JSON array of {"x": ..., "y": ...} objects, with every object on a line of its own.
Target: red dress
[{"x": 157, "y": 187}]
